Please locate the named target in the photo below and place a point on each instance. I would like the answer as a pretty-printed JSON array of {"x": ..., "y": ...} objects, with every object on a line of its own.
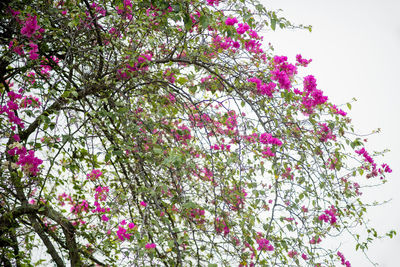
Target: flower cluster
[
  {"x": 30, "y": 101},
  {"x": 292, "y": 253},
  {"x": 169, "y": 75},
  {"x": 287, "y": 174},
  {"x": 283, "y": 72},
  {"x": 264, "y": 245},
  {"x": 213, "y": 2},
  {"x": 302, "y": 61},
  {"x": 141, "y": 64},
  {"x": 242, "y": 28},
  {"x": 30, "y": 26},
  {"x": 315, "y": 240},
  {"x": 101, "y": 193},
  {"x": 267, "y": 138},
  {"x": 63, "y": 197},
  {"x": 79, "y": 208},
  {"x": 325, "y": 133},
  {"x": 94, "y": 175},
  {"x": 224, "y": 43},
  {"x": 221, "y": 226},
  {"x": 27, "y": 160},
  {"x": 263, "y": 88},
  {"x": 150, "y": 246},
  {"x": 182, "y": 134},
  {"x": 236, "y": 198},
  {"x": 197, "y": 215},
  {"x": 338, "y": 111},
  {"x": 221, "y": 147},
  {"x": 343, "y": 259},
  {"x": 374, "y": 172},
  {"x": 231, "y": 21},
  {"x": 312, "y": 97},
  {"x": 11, "y": 107},
  {"x": 126, "y": 11},
  {"x": 122, "y": 233},
  {"x": 329, "y": 216}
]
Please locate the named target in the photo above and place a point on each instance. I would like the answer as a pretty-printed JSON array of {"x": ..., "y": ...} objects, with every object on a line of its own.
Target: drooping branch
[{"x": 67, "y": 227}]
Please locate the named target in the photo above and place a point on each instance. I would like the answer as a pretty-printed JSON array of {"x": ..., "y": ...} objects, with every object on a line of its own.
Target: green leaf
[
  {"x": 273, "y": 24},
  {"x": 188, "y": 22},
  {"x": 204, "y": 22}
]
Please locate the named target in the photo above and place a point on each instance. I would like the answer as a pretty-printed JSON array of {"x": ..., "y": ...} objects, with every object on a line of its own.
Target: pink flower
[
  {"x": 122, "y": 235},
  {"x": 16, "y": 137},
  {"x": 302, "y": 61},
  {"x": 150, "y": 245},
  {"x": 131, "y": 225},
  {"x": 104, "y": 218},
  {"x": 94, "y": 175},
  {"x": 144, "y": 204},
  {"x": 243, "y": 27},
  {"x": 264, "y": 245},
  {"x": 33, "y": 52},
  {"x": 213, "y": 2},
  {"x": 292, "y": 253},
  {"x": 304, "y": 209},
  {"x": 231, "y": 21},
  {"x": 236, "y": 44},
  {"x": 30, "y": 26}
]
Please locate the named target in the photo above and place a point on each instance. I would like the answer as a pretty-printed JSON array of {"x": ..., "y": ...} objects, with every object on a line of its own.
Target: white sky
[{"x": 355, "y": 47}]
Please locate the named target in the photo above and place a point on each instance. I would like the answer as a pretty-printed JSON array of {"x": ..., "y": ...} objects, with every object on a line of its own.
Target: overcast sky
[{"x": 355, "y": 47}]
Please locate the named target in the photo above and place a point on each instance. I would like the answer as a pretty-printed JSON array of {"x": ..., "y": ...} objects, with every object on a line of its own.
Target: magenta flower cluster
[
  {"x": 263, "y": 88},
  {"x": 338, "y": 111},
  {"x": 325, "y": 133},
  {"x": 27, "y": 160},
  {"x": 329, "y": 216},
  {"x": 242, "y": 28},
  {"x": 122, "y": 234},
  {"x": 150, "y": 246},
  {"x": 343, "y": 259},
  {"x": 11, "y": 107},
  {"x": 267, "y": 138},
  {"x": 221, "y": 226},
  {"x": 312, "y": 97},
  {"x": 224, "y": 43},
  {"x": 264, "y": 245},
  {"x": 283, "y": 72},
  {"x": 302, "y": 61},
  {"x": 139, "y": 65},
  {"x": 231, "y": 21},
  {"x": 198, "y": 216},
  {"x": 375, "y": 171},
  {"x": 94, "y": 175},
  {"x": 292, "y": 253},
  {"x": 30, "y": 26},
  {"x": 236, "y": 198},
  {"x": 81, "y": 207}
]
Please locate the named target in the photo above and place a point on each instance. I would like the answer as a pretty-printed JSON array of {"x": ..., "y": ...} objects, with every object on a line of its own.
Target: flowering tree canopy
[{"x": 166, "y": 133}]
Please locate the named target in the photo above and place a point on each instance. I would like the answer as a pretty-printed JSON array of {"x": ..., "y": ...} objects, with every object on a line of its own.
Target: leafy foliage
[{"x": 161, "y": 132}]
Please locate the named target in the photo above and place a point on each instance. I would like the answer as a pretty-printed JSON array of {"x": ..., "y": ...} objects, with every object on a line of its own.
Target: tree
[{"x": 160, "y": 132}]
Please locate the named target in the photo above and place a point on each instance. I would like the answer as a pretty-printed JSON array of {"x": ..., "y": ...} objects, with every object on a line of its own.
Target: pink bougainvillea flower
[
  {"x": 104, "y": 218},
  {"x": 30, "y": 26},
  {"x": 150, "y": 245},
  {"x": 231, "y": 21}
]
